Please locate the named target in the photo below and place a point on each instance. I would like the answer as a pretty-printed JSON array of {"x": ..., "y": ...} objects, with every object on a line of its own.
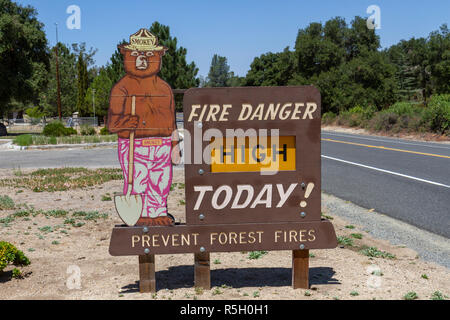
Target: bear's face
[{"x": 142, "y": 63}]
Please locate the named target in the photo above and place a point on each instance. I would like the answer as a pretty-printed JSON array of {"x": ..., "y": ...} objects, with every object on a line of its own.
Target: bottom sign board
[{"x": 183, "y": 238}]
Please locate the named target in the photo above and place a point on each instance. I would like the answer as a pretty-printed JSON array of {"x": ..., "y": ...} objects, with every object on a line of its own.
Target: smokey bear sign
[{"x": 252, "y": 168}]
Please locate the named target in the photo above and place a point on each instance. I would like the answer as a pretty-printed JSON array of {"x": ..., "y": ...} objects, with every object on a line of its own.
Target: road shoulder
[{"x": 429, "y": 246}]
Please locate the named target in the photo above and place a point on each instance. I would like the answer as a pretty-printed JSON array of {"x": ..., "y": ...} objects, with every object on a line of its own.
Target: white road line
[
  {"x": 388, "y": 141},
  {"x": 387, "y": 171}
]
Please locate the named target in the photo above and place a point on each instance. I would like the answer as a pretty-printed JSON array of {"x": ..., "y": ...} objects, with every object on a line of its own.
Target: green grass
[
  {"x": 91, "y": 215},
  {"x": 424, "y": 276},
  {"x": 28, "y": 139},
  {"x": 373, "y": 252},
  {"x": 350, "y": 227},
  {"x": 62, "y": 179},
  {"x": 23, "y": 140},
  {"x": 354, "y": 293},
  {"x": 357, "y": 235}
]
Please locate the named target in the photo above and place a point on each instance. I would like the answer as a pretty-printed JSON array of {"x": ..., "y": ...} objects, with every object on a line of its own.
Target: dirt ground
[{"x": 58, "y": 251}]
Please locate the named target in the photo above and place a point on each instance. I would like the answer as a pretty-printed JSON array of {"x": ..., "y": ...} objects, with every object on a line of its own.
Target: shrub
[
  {"x": 57, "y": 129},
  {"x": 10, "y": 254},
  {"x": 410, "y": 296},
  {"x": 356, "y": 116},
  {"x": 404, "y": 108},
  {"x": 375, "y": 253},
  {"x": 24, "y": 140},
  {"x": 87, "y": 130},
  {"x": 6, "y": 203},
  {"x": 383, "y": 121},
  {"x": 328, "y": 117},
  {"x": 71, "y": 131},
  {"x": 104, "y": 131},
  {"x": 437, "y": 115}
]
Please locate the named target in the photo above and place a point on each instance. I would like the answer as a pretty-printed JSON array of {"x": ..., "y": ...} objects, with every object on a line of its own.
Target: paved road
[{"x": 406, "y": 180}]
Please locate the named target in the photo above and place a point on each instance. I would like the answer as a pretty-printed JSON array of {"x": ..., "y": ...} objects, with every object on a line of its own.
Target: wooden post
[
  {"x": 147, "y": 282},
  {"x": 300, "y": 269},
  {"x": 202, "y": 275}
]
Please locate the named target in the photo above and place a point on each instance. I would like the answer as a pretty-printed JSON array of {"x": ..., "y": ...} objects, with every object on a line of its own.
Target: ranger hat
[{"x": 143, "y": 40}]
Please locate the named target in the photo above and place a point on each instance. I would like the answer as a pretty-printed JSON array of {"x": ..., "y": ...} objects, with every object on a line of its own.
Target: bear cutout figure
[{"x": 142, "y": 113}]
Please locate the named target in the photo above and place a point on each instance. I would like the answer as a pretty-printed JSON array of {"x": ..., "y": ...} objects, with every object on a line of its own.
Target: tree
[
  {"x": 175, "y": 70},
  {"x": 102, "y": 85},
  {"x": 219, "y": 72},
  {"x": 82, "y": 86},
  {"x": 114, "y": 68},
  {"x": 439, "y": 59},
  {"x": 360, "y": 39},
  {"x": 68, "y": 79},
  {"x": 24, "y": 56},
  {"x": 368, "y": 80},
  {"x": 318, "y": 48},
  {"x": 407, "y": 82},
  {"x": 271, "y": 69}
]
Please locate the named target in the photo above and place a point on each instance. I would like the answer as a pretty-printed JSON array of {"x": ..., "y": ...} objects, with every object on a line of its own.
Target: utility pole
[
  {"x": 58, "y": 86},
  {"x": 93, "y": 105}
]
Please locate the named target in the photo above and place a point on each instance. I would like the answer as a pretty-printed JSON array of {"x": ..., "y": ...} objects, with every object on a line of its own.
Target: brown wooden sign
[
  {"x": 222, "y": 238},
  {"x": 252, "y": 181},
  {"x": 268, "y": 164}
]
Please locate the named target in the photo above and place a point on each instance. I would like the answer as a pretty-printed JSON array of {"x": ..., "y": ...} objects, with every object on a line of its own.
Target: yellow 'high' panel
[{"x": 253, "y": 154}]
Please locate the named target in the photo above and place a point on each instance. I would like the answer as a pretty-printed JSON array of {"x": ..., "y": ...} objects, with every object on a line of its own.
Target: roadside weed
[
  {"x": 410, "y": 296},
  {"x": 345, "y": 241},
  {"x": 6, "y": 203},
  {"x": 253, "y": 255},
  {"x": 375, "y": 253}
]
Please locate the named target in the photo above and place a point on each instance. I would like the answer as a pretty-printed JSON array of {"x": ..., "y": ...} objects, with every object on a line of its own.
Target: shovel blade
[{"x": 129, "y": 208}]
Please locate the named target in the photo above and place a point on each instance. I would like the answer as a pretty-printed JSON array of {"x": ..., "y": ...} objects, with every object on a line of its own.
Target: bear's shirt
[{"x": 155, "y": 107}]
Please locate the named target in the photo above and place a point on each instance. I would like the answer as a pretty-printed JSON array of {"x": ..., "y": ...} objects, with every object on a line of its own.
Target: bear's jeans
[{"x": 152, "y": 176}]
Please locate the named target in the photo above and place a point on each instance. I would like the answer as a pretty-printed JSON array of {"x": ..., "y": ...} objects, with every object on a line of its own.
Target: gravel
[{"x": 429, "y": 246}]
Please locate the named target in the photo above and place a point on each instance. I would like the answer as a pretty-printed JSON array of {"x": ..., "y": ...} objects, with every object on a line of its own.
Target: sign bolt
[
  {"x": 200, "y": 125},
  {"x": 302, "y": 246},
  {"x": 147, "y": 251},
  {"x": 145, "y": 229},
  {"x": 202, "y": 249},
  {"x": 201, "y": 171},
  {"x": 201, "y": 216},
  {"x": 303, "y": 214}
]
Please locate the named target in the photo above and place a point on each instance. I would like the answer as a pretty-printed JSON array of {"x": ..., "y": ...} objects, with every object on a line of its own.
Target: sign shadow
[{"x": 235, "y": 278}]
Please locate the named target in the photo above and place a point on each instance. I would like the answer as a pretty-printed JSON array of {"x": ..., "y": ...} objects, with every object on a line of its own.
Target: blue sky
[{"x": 237, "y": 29}]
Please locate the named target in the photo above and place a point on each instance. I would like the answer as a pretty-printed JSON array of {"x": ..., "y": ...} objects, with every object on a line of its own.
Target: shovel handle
[{"x": 131, "y": 150}]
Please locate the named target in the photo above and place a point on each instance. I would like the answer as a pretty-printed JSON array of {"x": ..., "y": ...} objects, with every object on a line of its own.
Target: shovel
[{"x": 129, "y": 207}]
